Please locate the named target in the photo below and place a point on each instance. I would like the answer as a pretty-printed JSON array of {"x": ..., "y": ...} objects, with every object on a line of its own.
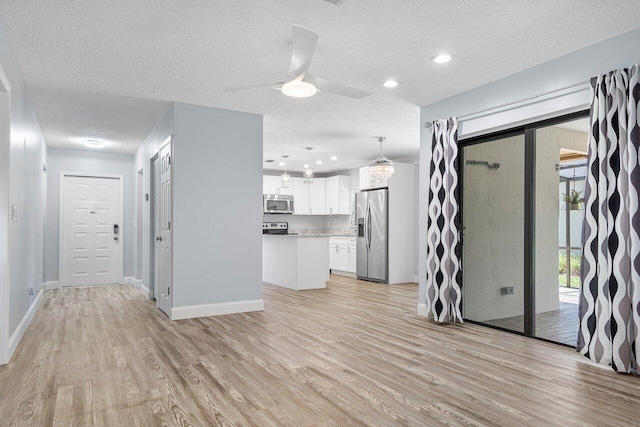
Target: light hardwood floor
[{"x": 353, "y": 354}]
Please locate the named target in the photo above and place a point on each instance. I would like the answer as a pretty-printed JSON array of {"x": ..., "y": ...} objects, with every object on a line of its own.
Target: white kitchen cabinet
[
  {"x": 342, "y": 254},
  {"x": 270, "y": 184},
  {"x": 300, "y": 196},
  {"x": 352, "y": 257},
  {"x": 337, "y": 195},
  {"x": 317, "y": 194},
  {"x": 366, "y": 182}
]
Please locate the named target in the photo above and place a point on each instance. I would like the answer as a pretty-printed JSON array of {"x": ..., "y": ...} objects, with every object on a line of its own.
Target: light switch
[{"x": 14, "y": 212}]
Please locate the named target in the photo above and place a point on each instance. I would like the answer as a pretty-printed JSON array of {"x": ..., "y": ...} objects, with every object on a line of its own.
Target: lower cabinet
[{"x": 342, "y": 254}]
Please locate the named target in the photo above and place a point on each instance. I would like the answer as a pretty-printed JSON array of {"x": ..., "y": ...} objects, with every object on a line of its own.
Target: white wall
[
  {"x": 217, "y": 206},
  {"x": 89, "y": 161},
  {"x": 22, "y": 174},
  {"x": 567, "y": 70}
]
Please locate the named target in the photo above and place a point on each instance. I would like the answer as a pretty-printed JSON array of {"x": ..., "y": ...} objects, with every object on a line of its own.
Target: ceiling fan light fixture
[{"x": 298, "y": 89}]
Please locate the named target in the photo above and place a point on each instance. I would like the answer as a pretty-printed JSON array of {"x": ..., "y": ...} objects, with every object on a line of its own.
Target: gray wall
[
  {"x": 142, "y": 160},
  {"x": 26, "y": 190},
  {"x": 217, "y": 206},
  {"x": 573, "y": 68},
  {"x": 65, "y": 160}
]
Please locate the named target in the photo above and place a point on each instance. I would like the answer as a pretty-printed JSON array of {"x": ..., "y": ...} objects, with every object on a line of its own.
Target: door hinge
[
  {"x": 169, "y": 158},
  {"x": 168, "y": 291},
  {"x": 169, "y": 226}
]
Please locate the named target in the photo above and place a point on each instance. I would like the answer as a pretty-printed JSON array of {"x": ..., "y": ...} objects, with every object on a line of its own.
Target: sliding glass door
[
  {"x": 493, "y": 226},
  {"x": 521, "y": 216}
]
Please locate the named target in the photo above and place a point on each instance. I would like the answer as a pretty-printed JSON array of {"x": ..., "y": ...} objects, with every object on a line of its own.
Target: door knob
[
  {"x": 115, "y": 238},
  {"x": 159, "y": 239}
]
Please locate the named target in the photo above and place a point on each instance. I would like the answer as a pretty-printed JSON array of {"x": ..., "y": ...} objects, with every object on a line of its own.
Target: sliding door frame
[{"x": 529, "y": 190}]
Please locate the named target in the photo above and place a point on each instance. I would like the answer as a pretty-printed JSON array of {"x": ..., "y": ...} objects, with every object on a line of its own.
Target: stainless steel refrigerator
[{"x": 372, "y": 250}]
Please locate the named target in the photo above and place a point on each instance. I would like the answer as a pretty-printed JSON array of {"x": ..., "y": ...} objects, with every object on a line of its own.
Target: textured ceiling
[{"x": 108, "y": 69}]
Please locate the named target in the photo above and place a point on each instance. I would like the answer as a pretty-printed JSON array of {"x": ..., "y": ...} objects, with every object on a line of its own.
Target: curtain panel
[
  {"x": 610, "y": 268},
  {"x": 444, "y": 296}
]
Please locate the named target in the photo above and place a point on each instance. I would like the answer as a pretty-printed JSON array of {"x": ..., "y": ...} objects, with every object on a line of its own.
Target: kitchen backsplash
[{"x": 308, "y": 224}]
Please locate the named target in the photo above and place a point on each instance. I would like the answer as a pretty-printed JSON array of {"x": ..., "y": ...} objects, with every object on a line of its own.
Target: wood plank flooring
[{"x": 353, "y": 354}]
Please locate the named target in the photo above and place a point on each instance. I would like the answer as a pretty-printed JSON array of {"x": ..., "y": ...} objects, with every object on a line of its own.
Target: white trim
[
  {"x": 5, "y": 250},
  {"x": 138, "y": 284},
  {"x": 205, "y": 310},
  {"x": 51, "y": 285},
  {"x": 343, "y": 273},
  {"x": 120, "y": 178},
  {"x": 422, "y": 309},
  {"x": 549, "y": 105},
  {"x": 22, "y": 327},
  {"x": 416, "y": 279}
]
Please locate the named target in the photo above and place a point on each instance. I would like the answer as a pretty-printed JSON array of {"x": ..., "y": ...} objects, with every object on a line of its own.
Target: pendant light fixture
[
  {"x": 381, "y": 168},
  {"x": 307, "y": 173},
  {"x": 285, "y": 179}
]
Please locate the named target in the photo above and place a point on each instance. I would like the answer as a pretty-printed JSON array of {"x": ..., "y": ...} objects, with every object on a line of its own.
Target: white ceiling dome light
[
  {"x": 381, "y": 168},
  {"x": 93, "y": 143},
  {"x": 390, "y": 83},
  {"x": 442, "y": 58}
]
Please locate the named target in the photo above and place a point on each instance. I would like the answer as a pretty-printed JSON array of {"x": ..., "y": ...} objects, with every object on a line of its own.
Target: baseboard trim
[
  {"x": 217, "y": 309},
  {"x": 129, "y": 280},
  {"x": 144, "y": 289},
  {"x": 343, "y": 273},
  {"x": 22, "y": 327},
  {"x": 51, "y": 285},
  {"x": 422, "y": 310}
]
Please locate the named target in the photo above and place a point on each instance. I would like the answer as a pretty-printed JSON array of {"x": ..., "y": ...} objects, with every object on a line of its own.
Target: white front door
[
  {"x": 91, "y": 229},
  {"x": 163, "y": 300}
]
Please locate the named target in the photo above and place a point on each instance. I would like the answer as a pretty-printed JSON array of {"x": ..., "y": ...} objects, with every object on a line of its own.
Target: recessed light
[
  {"x": 306, "y": 166},
  {"x": 281, "y": 163},
  {"x": 334, "y": 158},
  {"x": 390, "y": 83},
  {"x": 319, "y": 162},
  {"x": 92, "y": 143},
  {"x": 442, "y": 58}
]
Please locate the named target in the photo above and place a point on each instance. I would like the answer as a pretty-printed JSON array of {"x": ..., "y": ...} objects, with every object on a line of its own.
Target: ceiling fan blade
[
  {"x": 304, "y": 44},
  {"x": 244, "y": 87},
  {"x": 336, "y": 89}
]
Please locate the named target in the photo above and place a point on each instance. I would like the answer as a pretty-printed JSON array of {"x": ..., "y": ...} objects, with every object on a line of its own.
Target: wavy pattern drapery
[
  {"x": 610, "y": 270},
  {"x": 444, "y": 295}
]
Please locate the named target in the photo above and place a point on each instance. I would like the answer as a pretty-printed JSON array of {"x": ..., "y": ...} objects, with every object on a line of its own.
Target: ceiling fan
[{"x": 300, "y": 84}]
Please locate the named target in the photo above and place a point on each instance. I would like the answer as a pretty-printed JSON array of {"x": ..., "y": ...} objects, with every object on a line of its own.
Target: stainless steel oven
[{"x": 278, "y": 204}]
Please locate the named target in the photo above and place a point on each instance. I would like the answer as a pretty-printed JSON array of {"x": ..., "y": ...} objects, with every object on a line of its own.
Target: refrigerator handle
[
  {"x": 369, "y": 227},
  {"x": 366, "y": 229}
]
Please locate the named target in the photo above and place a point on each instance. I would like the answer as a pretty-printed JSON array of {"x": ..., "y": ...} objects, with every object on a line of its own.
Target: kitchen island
[{"x": 296, "y": 261}]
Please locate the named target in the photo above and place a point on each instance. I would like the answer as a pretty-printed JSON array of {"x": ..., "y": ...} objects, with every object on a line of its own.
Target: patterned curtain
[
  {"x": 444, "y": 296},
  {"x": 610, "y": 269}
]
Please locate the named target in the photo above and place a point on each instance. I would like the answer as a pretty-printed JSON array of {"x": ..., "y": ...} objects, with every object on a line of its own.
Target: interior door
[
  {"x": 90, "y": 235},
  {"x": 163, "y": 300},
  {"x": 156, "y": 224}
]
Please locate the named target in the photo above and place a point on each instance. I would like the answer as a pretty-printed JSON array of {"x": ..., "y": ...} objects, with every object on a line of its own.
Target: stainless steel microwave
[{"x": 278, "y": 204}]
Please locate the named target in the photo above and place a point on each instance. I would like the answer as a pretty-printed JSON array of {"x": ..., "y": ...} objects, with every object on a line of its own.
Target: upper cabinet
[
  {"x": 367, "y": 183},
  {"x": 300, "y": 196},
  {"x": 337, "y": 195},
  {"x": 324, "y": 196},
  {"x": 270, "y": 184},
  {"x": 317, "y": 197}
]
